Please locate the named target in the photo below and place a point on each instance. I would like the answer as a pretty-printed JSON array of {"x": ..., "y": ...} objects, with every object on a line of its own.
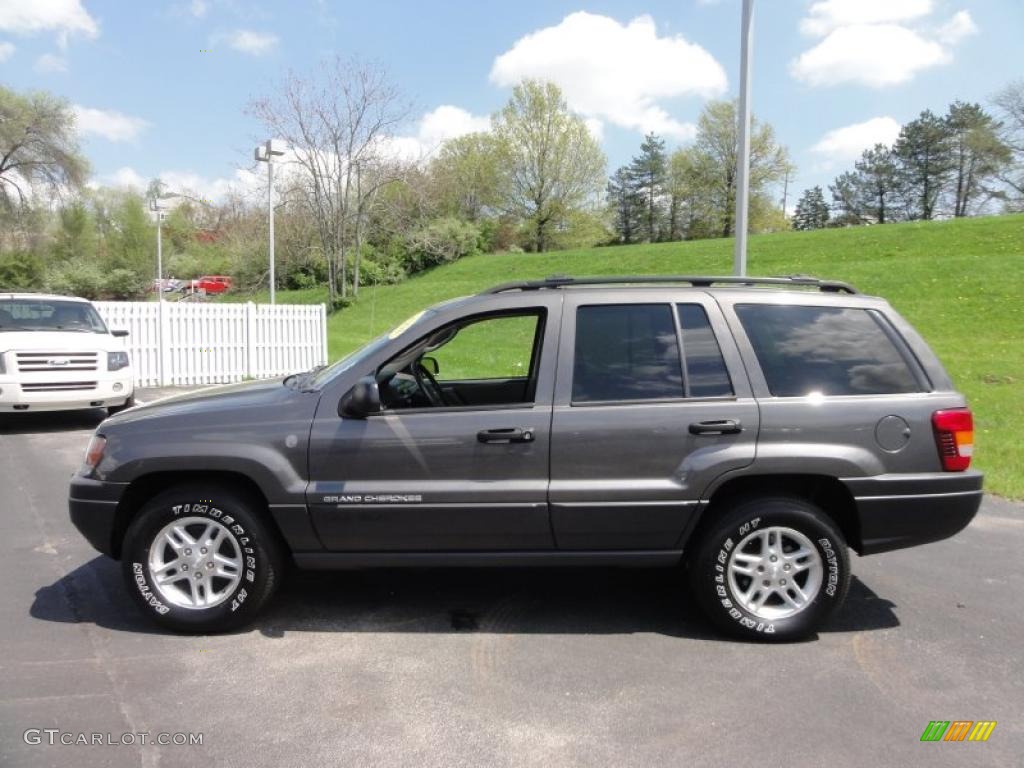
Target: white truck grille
[
  {"x": 50, "y": 362},
  {"x": 57, "y": 386}
]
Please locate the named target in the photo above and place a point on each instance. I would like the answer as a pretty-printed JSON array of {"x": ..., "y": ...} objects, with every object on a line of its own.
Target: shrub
[
  {"x": 441, "y": 241},
  {"x": 21, "y": 270},
  {"x": 123, "y": 285},
  {"x": 83, "y": 279}
]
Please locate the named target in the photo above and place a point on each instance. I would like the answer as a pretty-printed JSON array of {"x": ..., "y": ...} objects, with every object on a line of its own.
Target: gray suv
[{"x": 747, "y": 429}]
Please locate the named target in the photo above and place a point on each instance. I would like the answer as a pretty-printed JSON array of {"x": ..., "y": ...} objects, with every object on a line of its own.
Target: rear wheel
[
  {"x": 200, "y": 559},
  {"x": 770, "y": 569}
]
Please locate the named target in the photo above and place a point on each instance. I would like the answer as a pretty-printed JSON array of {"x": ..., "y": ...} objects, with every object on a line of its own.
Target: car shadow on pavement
[
  {"x": 504, "y": 601},
  {"x": 50, "y": 421}
]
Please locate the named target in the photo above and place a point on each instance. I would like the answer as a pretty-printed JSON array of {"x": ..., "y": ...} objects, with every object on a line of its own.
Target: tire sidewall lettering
[
  {"x": 140, "y": 570},
  {"x": 722, "y": 596}
]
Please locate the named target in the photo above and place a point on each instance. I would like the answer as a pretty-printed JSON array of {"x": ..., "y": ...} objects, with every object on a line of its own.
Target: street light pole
[
  {"x": 743, "y": 153},
  {"x": 265, "y": 154},
  {"x": 270, "y": 218},
  {"x": 158, "y": 212}
]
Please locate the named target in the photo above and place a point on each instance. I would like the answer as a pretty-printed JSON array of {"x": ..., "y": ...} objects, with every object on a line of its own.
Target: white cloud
[
  {"x": 6, "y": 51},
  {"x": 828, "y": 15},
  {"x": 847, "y": 143},
  {"x": 186, "y": 182},
  {"x": 65, "y": 17},
  {"x": 957, "y": 28},
  {"x": 49, "y": 63},
  {"x": 595, "y": 126},
  {"x": 619, "y": 73},
  {"x": 198, "y": 8},
  {"x": 877, "y": 55},
  {"x": 870, "y": 42},
  {"x": 111, "y": 125},
  {"x": 447, "y": 122},
  {"x": 248, "y": 41},
  {"x": 433, "y": 129},
  {"x": 126, "y": 177}
]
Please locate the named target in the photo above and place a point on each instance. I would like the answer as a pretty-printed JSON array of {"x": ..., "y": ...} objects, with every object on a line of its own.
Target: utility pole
[
  {"x": 743, "y": 153},
  {"x": 158, "y": 213},
  {"x": 785, "y": 192},
  {"x": 265, "y": 154}
]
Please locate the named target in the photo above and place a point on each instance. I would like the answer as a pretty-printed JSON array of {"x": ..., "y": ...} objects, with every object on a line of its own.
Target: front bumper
[
  {"x": 93, "y": 508},
  {"x": 897, "y": 511},
  {"x": 112, "y": 391}
]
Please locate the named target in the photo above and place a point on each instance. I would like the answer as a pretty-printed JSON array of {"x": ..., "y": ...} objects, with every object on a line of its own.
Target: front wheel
[
  {"x": 770, "y": 569},
  {"x": 200, "y": 559}
]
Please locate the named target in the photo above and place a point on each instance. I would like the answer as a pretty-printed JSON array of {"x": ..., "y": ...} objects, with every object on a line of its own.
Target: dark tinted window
[
  {"x": 626, "y": 352},
  {"x": 827, "y": 350},
  {"x": 706, "y": 374}
]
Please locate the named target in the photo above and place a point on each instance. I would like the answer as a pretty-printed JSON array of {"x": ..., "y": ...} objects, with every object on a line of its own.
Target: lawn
[{"x": 961, "y": 283}]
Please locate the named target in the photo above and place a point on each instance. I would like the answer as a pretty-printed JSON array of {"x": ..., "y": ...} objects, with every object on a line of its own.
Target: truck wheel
[
  {"x": 770, "y": 569},
  {"x": 199, "y": 559},
  {"x": 129, "y": 403}
]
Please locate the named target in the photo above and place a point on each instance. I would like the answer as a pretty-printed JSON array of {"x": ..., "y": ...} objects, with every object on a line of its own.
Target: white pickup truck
[{"x": 56, "y": 353}]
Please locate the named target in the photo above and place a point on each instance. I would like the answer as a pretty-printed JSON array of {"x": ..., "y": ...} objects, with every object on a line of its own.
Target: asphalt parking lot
[{"x": 494, "y": 668}]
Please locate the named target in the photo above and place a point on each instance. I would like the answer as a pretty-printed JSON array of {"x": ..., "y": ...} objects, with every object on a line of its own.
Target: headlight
[
  {"x": 117, "y": 360},
  {"x": 93, "y": 454}
]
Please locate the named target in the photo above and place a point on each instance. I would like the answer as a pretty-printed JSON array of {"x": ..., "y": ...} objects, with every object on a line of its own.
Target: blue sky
[{"x": 161, "y": 86}]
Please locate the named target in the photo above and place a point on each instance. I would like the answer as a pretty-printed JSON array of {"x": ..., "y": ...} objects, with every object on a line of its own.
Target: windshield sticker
[{"x": 399, "y": 330}]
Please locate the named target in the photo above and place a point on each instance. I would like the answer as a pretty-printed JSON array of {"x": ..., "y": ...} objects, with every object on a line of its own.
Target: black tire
[
  {"x": 713, "y": 554},
  {"x": 257, "y": 549},
  {"x": 129, "y": 403}
]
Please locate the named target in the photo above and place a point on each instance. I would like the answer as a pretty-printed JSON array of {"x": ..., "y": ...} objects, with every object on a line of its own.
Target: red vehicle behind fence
[{"x": 207, "y": 284}]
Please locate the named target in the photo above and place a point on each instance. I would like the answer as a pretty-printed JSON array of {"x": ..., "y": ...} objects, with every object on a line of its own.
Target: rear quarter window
[{"x": 825, "y": 350}]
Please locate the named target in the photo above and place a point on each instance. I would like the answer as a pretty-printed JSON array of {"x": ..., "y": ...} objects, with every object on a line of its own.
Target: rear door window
[
  {"x": 626, "y": 352},
  {"x": 826, "y": 351}
]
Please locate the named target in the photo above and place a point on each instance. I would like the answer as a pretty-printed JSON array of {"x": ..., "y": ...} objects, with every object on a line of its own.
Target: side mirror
[
  {"x": 119, "y": 334},
  {"x": 362, "y": 400},
  {"x": 430, "y": 364}
]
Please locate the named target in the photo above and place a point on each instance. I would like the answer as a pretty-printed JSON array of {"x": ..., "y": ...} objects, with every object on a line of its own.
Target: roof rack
[{"x": 699, "y": 281}]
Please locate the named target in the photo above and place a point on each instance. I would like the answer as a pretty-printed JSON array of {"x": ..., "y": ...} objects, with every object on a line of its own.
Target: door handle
[
  {"x": 507, "y": 435},
  {"x": 719, "y": 427}
]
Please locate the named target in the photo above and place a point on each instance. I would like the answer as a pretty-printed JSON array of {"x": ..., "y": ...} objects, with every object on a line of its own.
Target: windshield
[
  {"x": 367, "y": 350},
  {"x": 49, "y": 315}
]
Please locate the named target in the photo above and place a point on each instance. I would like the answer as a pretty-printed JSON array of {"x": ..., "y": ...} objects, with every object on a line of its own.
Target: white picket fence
[{"x": 185, "y": 343}]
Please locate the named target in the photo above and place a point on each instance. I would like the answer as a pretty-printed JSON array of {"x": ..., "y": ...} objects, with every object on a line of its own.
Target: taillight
[{"x": 954, "y": 434}]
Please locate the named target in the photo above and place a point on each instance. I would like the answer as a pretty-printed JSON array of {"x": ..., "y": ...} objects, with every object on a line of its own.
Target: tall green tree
[
  {"x": 811, "y": 210},
  {"x": 684, "y": 194},
  {"x": 715, "y": 152},
  {"x": 648, "y": 171},
  {"x": 75, "y": 239},
  {"x": 132, "y": 243},
  {"x": 878, "y": 183},
  {"x": 465, "y": 175},
  {"x": 626, "y": 205},
  {"x": 979, "y": 154},
  {"x": 924, "y": 155},
  {"x": 38, "y": 147},
  {"x": 1010, "y": 105},
  {"x": 550, "y": 164}
]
